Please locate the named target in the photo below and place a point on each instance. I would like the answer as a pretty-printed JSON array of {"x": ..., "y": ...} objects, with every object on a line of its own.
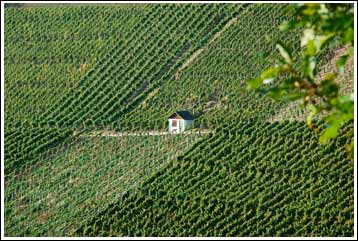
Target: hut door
[{"x": 174, "y": 125}]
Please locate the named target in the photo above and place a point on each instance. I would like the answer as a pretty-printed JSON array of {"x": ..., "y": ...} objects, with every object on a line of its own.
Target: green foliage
[
  {"x": 249, "y": 177},
  {"x": 211, "y": 86},
  {"x": 49, "y": 88},
  {"x": 228, "y": 185},
  {"x": 101, "y": 65},
  {"x": 321, "y": 24},
  {"x": 86, "y": 173}
]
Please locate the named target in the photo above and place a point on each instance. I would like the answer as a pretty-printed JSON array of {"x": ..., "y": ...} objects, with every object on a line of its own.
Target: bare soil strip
[
  {"x": 199, "y": 51},
  {"x": 147, "y": 133}
]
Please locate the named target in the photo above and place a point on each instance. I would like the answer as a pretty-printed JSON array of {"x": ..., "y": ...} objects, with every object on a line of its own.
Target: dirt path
[
  {"x": 199, "y": 51},
  {"x": 148, "y": 133}
]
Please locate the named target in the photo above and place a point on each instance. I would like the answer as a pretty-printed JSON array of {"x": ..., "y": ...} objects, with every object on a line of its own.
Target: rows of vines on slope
[
  {"x": 104, "y": 91},
  {"x": 86, "y": 173},
  {"x": 213, "y": 85},
  {"x": 249, "y": 179},
  {"x": 268, "y": 189},
  {"x": 292, "y": 162},
  {"x": 99, "y": 110},
  {"x": 23, "y": 146},
  {"x": 24, "y": 79},
  {"x": 31, "y": 141}
]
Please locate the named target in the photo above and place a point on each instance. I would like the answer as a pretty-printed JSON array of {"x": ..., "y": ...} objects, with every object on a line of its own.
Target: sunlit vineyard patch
[
  {"x": 78, "y": 179},
  {"x": 250, "y": 180}
]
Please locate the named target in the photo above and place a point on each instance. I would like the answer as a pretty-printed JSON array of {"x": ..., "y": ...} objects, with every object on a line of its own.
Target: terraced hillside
[
  {"x": 129, "y": 66},
  {"x": 85, "y": 68},
  {"x": 213, "y": 84},
  {"x": 75, "y": 180},
  {"x": 252, "y": 179}
]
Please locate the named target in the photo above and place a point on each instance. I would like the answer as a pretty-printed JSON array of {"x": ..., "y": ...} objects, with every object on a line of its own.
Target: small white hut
[{"x": 179, "y": 121}]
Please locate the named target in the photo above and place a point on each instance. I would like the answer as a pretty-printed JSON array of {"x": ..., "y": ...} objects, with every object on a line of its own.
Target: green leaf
[
  {"x": 309, "y": 66},
  {"x": 254, "y": 83},
  {"x": 331, "y": 132},
  {"x": 323, "y": 9},
  {"x": 346, "y": 98},
  {"x": 349, "y": 36},
  {"x": 344, "y": 112},
  {"x": 284, "y": 53},
  {"x": 277, "y": 93},
  {"x": 314, "y": 43},
  {"x": 311, "y": 48},
  {"x": 270, "y": 73},
  {"x": 310, "y": 9},
  {"x": 268, "y": 81},
  {"x": 350, "y": 51},
  {"x": 293, "y": 96},
  {"x": 321, "y": 40},
  {"x": 308, "y": 35},
  {"x": 345, "y": 105},
  {"x": 312, "y": 67}
]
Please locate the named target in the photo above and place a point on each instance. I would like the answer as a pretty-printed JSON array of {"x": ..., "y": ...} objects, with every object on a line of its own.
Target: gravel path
[{"x": 148, "y": 133}]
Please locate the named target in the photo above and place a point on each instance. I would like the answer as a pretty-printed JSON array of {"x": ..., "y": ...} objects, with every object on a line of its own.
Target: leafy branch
[{"x": 296, "y": 78}]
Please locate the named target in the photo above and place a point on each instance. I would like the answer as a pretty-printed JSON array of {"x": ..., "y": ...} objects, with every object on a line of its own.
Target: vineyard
[
  {"x": 213, "y": 85},
  {"x": 249, "y": 167},
  {"x": 282, "y": 184},
  {"x": 85, "y": 173}
]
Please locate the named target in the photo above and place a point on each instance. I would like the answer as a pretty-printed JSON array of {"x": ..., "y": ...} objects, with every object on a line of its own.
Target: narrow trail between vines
[
  {"x": 146, "y": 133},
  {"x": 200, "y": 51}
]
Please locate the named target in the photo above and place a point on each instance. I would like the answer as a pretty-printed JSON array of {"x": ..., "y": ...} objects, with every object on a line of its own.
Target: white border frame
[{"x": 174, "y": 238}]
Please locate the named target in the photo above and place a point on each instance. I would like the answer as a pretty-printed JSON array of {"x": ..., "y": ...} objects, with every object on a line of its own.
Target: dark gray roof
[{"x": 184, "y": 114}]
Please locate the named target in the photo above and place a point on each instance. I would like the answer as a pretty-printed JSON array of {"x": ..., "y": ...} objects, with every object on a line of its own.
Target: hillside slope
[
  {"x": 250, "y": 176},
  {"x": 213, "y": 85},
  {"x": 76, "y": 180},
  {"x": 71, "y": 68},
  {"x": 123, "y": 71},
  {"x": 250, "y": 179}
]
